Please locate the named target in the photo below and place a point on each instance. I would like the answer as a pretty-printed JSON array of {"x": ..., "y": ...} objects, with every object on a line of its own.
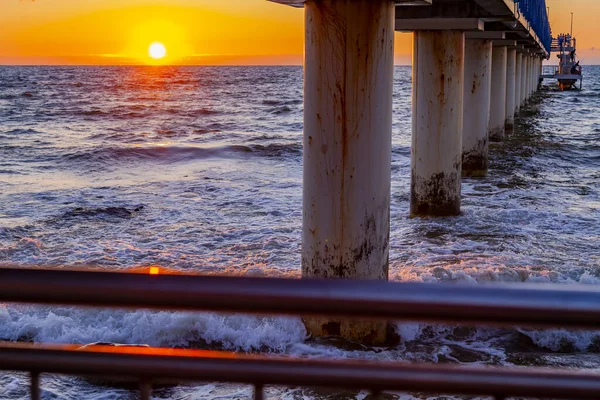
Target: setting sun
[{"x": 157, "y": 50}]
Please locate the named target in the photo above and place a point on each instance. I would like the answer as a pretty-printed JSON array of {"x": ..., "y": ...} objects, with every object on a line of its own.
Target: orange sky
[{"x": 196, "y": 31}]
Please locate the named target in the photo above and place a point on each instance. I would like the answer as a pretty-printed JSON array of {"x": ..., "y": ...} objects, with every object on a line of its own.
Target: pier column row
[
  {"x": 511, "y": 76},
  {"x": 498, "y": 103},
  {"x": 476, "y": 106},
  {"x": 437, "y": 122},
  {"x": 348, "y": 82}
]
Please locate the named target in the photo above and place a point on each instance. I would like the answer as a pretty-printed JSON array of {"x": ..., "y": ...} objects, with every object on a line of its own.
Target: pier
[{"x": 475, "y": 64}]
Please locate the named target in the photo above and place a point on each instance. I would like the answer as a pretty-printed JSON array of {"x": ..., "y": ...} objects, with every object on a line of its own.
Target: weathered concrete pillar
[
  {"x": 530, "y": 77},
  {"x": 518, "y": 74},
  {"x": 498, "y": 104},
  {"x": 511, "y": 76},
  {"x": 437, "y": 120},
  {"x": 476, "y": 106},
  {"x": 348, "y": 74},
  {"x": 541, "y": 72},
  {"x": 525, "y": 79},
  {"x": 538, "y": 73},
  {"x": 535, "y": 75}
]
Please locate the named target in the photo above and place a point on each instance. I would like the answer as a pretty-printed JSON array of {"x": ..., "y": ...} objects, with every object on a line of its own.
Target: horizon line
[{"x": 165, "y": 65}]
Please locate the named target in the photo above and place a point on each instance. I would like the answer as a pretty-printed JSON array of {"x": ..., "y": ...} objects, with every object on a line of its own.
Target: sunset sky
[{"x": 197, "y": 31}]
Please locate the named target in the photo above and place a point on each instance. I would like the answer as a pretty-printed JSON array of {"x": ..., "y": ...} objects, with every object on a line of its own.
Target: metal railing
[
  {"x": 524, "y": 305},
  {"x": 535, "y": 12}
]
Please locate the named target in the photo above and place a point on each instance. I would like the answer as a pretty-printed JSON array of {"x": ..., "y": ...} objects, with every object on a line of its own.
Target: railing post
[
  {"x": 145, "y": 390},
  {"x": 34, "y": 385},
  {"x": 259, "y": 392}
]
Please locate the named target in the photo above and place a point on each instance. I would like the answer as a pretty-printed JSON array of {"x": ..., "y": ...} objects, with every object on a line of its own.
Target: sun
[{"x": 157, "y": 50}]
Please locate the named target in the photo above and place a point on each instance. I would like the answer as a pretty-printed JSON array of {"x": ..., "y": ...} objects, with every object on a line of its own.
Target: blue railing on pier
[{"x": 536, "y": 13}]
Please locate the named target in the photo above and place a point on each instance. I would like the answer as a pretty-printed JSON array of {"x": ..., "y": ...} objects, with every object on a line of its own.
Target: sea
[{"x": 199, "y": 170}]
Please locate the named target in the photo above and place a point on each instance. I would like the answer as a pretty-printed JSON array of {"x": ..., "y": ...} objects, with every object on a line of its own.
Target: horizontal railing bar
[
  {"x": 566, "y": 306},
  {"x": 167, "y": 365}
]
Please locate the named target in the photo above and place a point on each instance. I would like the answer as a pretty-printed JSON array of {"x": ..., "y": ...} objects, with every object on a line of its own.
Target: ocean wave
[
  {"x": 275, "y": 102},
  {"x": 281, "y": 110},
  {"x": 154, "y": 328},
  {"x": 565, "y": 341},
  {"x": 173, "y": 154},
  {"x": 22, "y": 131},
  {"x": 111, "y": 212},
  {"x": 192, "y": 113}
]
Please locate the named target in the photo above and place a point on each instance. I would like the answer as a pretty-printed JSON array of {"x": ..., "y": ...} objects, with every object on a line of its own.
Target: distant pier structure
[{"x": 475, "y": 64}]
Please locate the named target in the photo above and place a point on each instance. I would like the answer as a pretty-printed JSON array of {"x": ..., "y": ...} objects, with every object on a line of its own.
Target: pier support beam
[
  {"x": 348, "y": 71},
  {"x": 498, "y": 104},
  {"x": 476, "y": 106},
  {"x": 511, "y": 76},
  {"x": 437, "y": 121},
  {"x": 518, "y": 74}
]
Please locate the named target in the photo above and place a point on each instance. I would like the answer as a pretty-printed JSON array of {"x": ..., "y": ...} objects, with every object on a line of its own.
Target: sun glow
[
  {"x": 157, "y": 50},
  {"x": 109, "y": 32},
  {"x": 154, "y": 270}
]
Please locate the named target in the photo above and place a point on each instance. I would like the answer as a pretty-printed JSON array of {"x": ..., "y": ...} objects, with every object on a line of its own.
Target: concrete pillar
[
  {"x": 511, "y": 76},
  {"x": 476, "y": 106},
  {"x": 437, "y": 120},
  {"x": 498, "y": 104},
  {"x": 535, "y": 74},
  {"x": 538, "y": 73},
  {"x": 530, "y": 81},
  {"x": 525, "y": 78},
  {"x": 518, "y": 74},
  {"x": 532, "y": 76},
  {"x": 348, "y": 74}
]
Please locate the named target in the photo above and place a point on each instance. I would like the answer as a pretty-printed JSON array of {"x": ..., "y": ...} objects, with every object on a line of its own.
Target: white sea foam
[{"x": 156, "y": 328}]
